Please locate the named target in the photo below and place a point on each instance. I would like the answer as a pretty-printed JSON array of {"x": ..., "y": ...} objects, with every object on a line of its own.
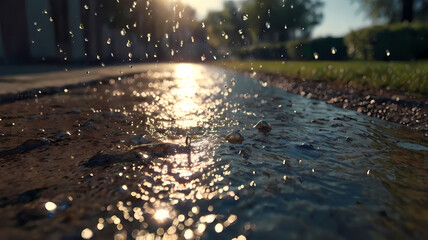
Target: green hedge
[
  {"x": 262, "y": 51},
  {"x": 323, "y": 47},
  {"x": 402, "y": 41},
  {"x": 296, "y": 50}
]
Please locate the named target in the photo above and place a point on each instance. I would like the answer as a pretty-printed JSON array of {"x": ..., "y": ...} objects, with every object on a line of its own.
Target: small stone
[
  {"x": 235, "y": 138},
  {"x": 61, "y": 135},
  {"x": 263, "y": 126}
]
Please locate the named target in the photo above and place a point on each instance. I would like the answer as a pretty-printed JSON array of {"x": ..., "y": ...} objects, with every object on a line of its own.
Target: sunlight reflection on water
[{"x": 319, "y": 169}]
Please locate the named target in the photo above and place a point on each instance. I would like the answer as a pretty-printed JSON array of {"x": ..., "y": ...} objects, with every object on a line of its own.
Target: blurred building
[
  {"x": 36, "y": 30},
  {"x": 81, "y": 31}
]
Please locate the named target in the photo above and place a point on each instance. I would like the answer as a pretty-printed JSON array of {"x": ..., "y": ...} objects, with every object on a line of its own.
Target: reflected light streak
[{"x": 186, "y": 108}]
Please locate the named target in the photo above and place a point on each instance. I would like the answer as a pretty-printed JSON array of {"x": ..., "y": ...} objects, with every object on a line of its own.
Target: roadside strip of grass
[{"x": 404, "y": 77}]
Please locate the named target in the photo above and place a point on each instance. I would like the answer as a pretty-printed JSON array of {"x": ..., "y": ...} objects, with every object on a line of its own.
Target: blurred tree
[
  {"x": 226, "y": 27},
  {"x": 396, "y": 10},
  {"x": 279, "y": 20}
]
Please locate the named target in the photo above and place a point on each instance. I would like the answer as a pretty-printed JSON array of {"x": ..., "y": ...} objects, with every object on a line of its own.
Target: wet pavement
[{"x": 111, "y": 161}]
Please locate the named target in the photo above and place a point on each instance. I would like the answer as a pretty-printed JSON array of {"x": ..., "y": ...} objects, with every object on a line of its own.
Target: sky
[{"x": 340, "y": 16}]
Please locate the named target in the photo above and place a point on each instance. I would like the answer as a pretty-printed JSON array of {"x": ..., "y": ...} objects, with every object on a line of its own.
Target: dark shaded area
[
  {"x": 27, "y": 146},
  {"x": 14, "y": 30}
]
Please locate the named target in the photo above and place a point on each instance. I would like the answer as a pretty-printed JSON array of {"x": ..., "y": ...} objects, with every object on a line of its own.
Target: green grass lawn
[{"x": 410, "y": 77}]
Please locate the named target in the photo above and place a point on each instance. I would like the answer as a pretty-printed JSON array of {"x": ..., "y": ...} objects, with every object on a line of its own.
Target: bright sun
[{"x": 203, "y": 7}]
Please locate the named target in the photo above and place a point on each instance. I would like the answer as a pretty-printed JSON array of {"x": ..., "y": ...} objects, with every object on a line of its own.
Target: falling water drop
[
  {"x": 333, "y": 50},
  {"x": 109, "y": 41},
  {"x": 245, "y": 17},
  {"x": 123, "y": 32},
  {"x": 316, "y": 55}
]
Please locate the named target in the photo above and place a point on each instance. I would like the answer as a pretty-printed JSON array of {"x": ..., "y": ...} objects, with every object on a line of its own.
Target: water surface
[{"x": 322, "y": 172}]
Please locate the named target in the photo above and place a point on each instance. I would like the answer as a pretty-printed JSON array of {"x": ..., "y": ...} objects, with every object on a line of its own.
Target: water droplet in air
[
  {"x": 316, "y": 56},
  {"x": 123, "y": 32},
  {"x": 130, "y": 55},
  {"x": 81, "y": 26},
  {"x": 245, "y": 17},
  {"x": 333, "y": 50},
  {"x": 86, "y": 7},
  {"x": 128, "y": 44},
  {"x": 267, "y": 25},
  {"x": 108, "y": 41},
  {"x": 388, "y": 53}
]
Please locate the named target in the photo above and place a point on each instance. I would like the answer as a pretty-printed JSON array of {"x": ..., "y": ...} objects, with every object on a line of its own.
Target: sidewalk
[{"x": 13, "y": 84}]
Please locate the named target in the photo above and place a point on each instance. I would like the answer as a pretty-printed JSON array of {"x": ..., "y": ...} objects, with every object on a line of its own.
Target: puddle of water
[{"x": 322, "y": 172}]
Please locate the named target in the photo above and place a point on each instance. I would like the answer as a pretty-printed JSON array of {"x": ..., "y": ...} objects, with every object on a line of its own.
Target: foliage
[
  {"x": 266, "y": 51},
  {"x": 410, "y": 77},
  {"x": 268, "y": 21},
  {"x": 392, "y": 10},
  {"x": 328, "y": 48},
  {"x": 278, "y": 20},
  {"x": 402, "y": 41},
  {"x": 226, "y": 28}
]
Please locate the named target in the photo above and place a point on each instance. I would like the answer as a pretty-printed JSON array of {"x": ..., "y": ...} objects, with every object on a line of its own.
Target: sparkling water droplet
[
  {"x": 388, "y": 53},
  {"x": 86, "y": 7},
  {"x": 123, "y": 32},
  {"x": 109, "y": 41},
  {"x": 81, "y": 26},
  {"x": 130, "y": 55},
  {"x": 245, "y": 17},
  {"x": 128, "y": 44},
  {"x": 267, "y": 25},
  {"x": 333, "y": 50},
  {"x": 316, "y": 55}
]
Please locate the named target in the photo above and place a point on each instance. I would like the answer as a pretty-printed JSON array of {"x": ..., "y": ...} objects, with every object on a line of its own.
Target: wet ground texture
[
  {"x": 146, "y": 157},
  {"x": 383, "y": 104}
]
